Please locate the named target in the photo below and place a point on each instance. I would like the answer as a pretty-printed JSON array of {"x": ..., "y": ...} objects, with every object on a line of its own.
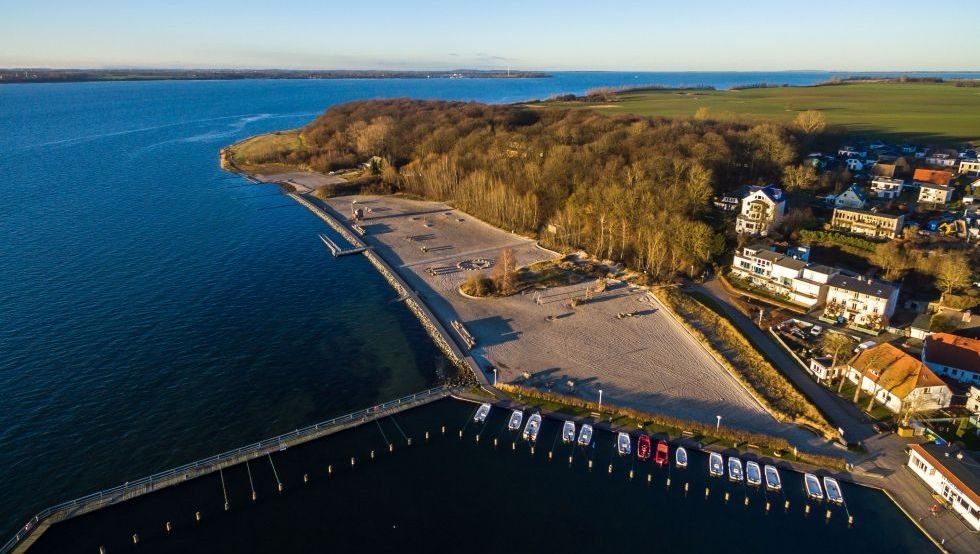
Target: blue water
[{"x": 154, "y": 309}]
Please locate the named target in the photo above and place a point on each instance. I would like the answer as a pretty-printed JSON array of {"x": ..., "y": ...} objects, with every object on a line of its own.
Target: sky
[{"x": 655, "y": 35}]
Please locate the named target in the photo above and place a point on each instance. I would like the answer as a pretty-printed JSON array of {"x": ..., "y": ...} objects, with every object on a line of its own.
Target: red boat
[
  {"x": 661, "y": 456},
  {"x": 643, "y": 448}
]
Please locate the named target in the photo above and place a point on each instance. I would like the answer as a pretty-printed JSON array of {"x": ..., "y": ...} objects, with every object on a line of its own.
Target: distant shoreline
[{"x": 11, "y": 76}]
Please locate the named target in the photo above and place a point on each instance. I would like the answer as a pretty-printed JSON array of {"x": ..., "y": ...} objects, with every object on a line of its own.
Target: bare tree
[
  {"x": 836, "y": 344},
  {"x": 953, "y": 272},
  {"x": 811, "y": 121},
  {"x": 504, "y": 273},
  {"x": 799, "y": 177}
]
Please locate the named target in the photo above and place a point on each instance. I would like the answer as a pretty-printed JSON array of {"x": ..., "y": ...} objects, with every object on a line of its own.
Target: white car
[{"x": 816, "y": 330}]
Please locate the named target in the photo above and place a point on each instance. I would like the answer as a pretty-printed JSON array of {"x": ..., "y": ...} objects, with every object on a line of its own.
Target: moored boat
[
  {"x": 568, "y": 432},
  {"x": 812, "y": 486},
  {"x": 585, "y": 435},
  {"x": 623, "y": 444},
  {"x": 680, "y": 457},
  {"x": 643, "y": 448},
  {"x": 516, "y": 417},
  {"x": 532, "y": 427},
  {"x": 716, "y": 466},
  {"x": 482, "y": 412},
  {"x": 833, "y": 490},
  {"x": 735, "y": 469},
  {"x": 753, "y": 475},
  {"x": 662, "y": 453},
  {"x": 773, "y": 482}
]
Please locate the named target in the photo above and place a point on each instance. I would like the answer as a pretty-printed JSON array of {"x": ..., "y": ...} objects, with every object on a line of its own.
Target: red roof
[
  {"x": 941, "y": 178},
  {"x": 952, "y": 351}
]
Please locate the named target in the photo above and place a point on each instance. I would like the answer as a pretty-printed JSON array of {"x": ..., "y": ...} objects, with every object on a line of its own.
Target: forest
[{"x": 627, "y": 188}]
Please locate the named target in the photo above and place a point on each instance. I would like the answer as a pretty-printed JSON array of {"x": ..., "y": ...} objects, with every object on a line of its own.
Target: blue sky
[{"x": 536, "y": 34}]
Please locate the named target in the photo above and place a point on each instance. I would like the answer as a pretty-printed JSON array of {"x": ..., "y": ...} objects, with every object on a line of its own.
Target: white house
[
  {"x": 851, "y": 152},
  {"x": 897, "y": 381},
  {"x": 797, "y": 281},
  {"x": 853, "y": 198},
  {"x": 952, "y": 356},
  {"x": 971, "y": 166},
  {"x": 935, "y": 194},
  {"x": 951, "y": 473},
  {"x": 887, "y": 188},
  {"x": 762, "y": 208},
  {"x": 942, "y": 159},
  {"x": 821, "y": 368},
  {"x": 860, "y": 302}
]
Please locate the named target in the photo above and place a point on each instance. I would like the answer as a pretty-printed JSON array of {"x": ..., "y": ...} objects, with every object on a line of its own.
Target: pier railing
[{"x": 145, "y": 485}]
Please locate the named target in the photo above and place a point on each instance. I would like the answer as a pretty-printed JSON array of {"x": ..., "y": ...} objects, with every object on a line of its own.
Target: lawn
[
  {"x": 917, "y": 111},
  {"x": 256, "y": 153}
]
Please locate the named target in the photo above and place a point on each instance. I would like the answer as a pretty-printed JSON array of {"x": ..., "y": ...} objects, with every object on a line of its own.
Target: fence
[{"x": 145, "y": 485}]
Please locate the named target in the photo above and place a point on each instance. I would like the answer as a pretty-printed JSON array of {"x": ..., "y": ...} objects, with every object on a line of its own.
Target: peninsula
[{"x": 46, "y": 75}]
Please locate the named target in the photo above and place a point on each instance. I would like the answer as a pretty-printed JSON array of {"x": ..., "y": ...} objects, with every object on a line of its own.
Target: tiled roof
[
  {"x": 962, "y": 472},
  {"x": 894, "y": 370},
  {"x": 940, "y": 178},
  {"x": 952, "y": 351},
  {"x": 853, "y": 284}
]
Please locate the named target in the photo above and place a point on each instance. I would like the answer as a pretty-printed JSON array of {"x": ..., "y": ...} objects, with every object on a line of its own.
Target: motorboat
[
  {"x": 716, "y": 465},
  {"x": 773, "y": 482},
  {"x": 516, "y": 417},
  {"x": 735, "y": 469},
  {"x": 623, "y": 444},
  {"x": 532, "y": 427},
  {"x": 643, "y": 448},
  {"x": 753, "y": 474},
  {"x": 812, "y": 486},
  {"x": 568, "y": 432},
  {"x": 585, "y": 435},
  {"x": 680, "y": 457},
  {"x": 833, "y": 490},
  {"x": 482, "y": 412},
  {"x": 660, "y": 457}
]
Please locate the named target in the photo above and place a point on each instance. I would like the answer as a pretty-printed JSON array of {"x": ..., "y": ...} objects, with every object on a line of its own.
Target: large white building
[
  {"x": 951, "y": 473},
  {"x": 798, "y": 281},
  {"x": 898, "y": 381},
  {"x": 860, "y": 302},
  {"x": 762, "y": 208},
  {"x": 887, "y": 188},
  {"x": 935, "y": 194},
  {"x": 970, "y": 165}
]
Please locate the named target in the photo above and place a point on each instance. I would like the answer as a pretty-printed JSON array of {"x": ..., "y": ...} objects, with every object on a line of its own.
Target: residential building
[
  {"x": 854, "y": 197},
  {"x": 852, "y": 152},
  {"x": 897, "y": 380},
  {"x": 732, "y": 201},
  {"x": 942, "y": 159},
  {"x": 822, "y": 369},
  {"x": 887, "y": 188},
  {"x": 935, "y": 194},
  {"x": 952, "y": 356},
  {"x": 951, "y": 473},
  {"x": 920, "y": 326},
  {"x": 970, "y": 165},
  {"x": 794, "y": 279},
  {"x": 935, "y": 177},
  {"x": 973, "y": 404},
  {"x": 860, "y": 302},
  {"x": 762, "y": 208},
  {"x": 880, "y": 169},
  {"x": 871, "y": 224}
]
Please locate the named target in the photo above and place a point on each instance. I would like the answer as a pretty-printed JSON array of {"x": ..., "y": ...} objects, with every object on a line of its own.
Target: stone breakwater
[{"x": 440, "y": 335}]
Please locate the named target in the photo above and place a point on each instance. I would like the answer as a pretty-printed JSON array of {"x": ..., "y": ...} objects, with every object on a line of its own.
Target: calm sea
[{"x": 154, "y": 310}]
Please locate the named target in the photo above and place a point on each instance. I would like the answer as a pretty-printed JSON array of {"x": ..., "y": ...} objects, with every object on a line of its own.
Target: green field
[{"x": 921, "y": 112}]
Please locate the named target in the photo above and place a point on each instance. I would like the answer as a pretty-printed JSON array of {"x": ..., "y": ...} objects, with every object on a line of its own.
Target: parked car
[{"x": 816, "y": 330}]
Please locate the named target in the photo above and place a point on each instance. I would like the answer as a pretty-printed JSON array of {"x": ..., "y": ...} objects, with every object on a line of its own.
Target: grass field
[
  {"x": 252, "y": 154},
  {"x": 920, "y": 112}
]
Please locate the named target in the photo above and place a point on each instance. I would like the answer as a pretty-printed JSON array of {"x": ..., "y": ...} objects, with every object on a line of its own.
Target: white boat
[
  {"x": 568, "y": 432},
  {"x": 812, "y": 486},
  {"x": 680, "y": 457},
  {"x": 716, "y": 465},
  {"x": 532, "y": 427},
  {"x": 482, "y": 412},
  {"x": 585, "y": 435},
  {"x": 623, "y": 444},
  {"x": 516, "y": 417},
  {"x": 735, "y": 469},
  {"x": 753, "y": 475},
  {"x": 833, "y": 490},
  {"x": 773, "y": 482}
]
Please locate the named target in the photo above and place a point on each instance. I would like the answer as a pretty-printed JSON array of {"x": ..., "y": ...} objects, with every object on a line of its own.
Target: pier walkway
[{"x": 33, "y": 529}]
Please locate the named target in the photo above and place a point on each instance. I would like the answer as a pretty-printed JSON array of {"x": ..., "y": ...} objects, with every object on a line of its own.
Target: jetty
[
  {"x": 35, "y": 527},
  {"x": 337, "y": 251}
]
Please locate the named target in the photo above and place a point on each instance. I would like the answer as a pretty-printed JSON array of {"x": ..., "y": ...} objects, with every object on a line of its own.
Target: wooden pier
[{"x": 337, "y": 251}]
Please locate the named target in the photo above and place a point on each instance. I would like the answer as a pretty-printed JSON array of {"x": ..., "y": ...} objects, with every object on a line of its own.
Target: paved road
[{"x": 883, "y": 465}]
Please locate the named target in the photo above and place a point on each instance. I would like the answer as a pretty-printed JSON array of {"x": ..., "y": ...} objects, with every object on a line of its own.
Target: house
[
  {"x": 871, "y": 224},
  {"x": 854, "y": 197},
  {"x": 970, "y": 165},
  {"x": 935, "y": 194},
  {"x": 953, "y": 356},
  {"x": 951, "y": 473},
  {"x": 897, "y": 380},
  {"x": 732, "y": 201},
  {"x": 931, "y": 176},
  {"x": 973, "y": 404},
  {"x": 887, "y": 188},
  {"x": 852, "y": 152},
  {"x": 762, "y": 208},
  {"x": 821, "y": 368},
  {"x": 794, "y": 279},
  {"x": 920, "y": 326},
  {"x": 942, "y": 159},
  {"x": 880, "y": 169},
  {"x": 860, "y": 302},
  {"x": 854, "y": 164}
]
